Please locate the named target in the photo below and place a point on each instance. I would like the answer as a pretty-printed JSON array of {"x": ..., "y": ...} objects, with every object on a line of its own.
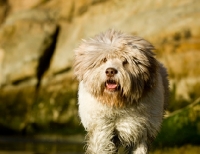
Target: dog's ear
[
  {"x": 78, "y": 60},
  {"x": 153, "y": 71},
  {"x": 86, "y": 58},
  {"x": 147, "y": 61}
]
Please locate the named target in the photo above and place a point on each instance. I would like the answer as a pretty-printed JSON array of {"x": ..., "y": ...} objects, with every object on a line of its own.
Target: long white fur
[{"x": 134, "y": 123}]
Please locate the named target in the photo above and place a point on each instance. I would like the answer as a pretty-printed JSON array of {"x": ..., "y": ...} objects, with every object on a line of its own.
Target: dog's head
[{"x": 116, "y": 68}]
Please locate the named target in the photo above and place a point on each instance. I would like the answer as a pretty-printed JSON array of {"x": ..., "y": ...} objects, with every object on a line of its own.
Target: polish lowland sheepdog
[{"x": 122, "y": 94}]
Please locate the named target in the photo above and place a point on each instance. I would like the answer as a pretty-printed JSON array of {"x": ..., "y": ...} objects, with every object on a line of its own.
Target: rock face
[
  {"x": 37, "y": 39},
  {"x": 25, "y": 43}
]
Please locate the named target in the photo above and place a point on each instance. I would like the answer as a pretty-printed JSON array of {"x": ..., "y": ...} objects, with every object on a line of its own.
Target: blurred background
[{"x": 38, "y": 92}]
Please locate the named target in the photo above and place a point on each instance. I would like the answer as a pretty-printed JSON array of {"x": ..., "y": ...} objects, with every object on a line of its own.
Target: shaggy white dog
[{"x": 122, "y": 92}]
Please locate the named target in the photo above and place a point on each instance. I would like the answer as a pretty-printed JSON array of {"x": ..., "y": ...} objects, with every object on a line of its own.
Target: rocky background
[{"x": 37, "y": 39}]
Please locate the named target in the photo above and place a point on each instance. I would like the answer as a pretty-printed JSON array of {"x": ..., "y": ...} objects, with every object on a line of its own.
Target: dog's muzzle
[{"x": 111, "y": 84}]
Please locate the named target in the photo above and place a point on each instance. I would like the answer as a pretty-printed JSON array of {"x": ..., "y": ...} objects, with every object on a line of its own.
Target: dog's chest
[
  {"x": 93, "y": 112},
  {"x": 89, "y": 107}
]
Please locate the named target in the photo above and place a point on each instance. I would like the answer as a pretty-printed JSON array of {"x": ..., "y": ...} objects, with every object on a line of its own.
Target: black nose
[{"x": 110, "y": 72}]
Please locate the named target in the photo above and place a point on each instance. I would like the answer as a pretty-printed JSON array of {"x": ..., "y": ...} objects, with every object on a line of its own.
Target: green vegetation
[
  {"x": 181, "y": 127},
  {"x": 48, "y": 111}
]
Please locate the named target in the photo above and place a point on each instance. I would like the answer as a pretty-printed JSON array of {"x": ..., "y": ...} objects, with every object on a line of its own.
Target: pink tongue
[{"x": 111, "y": 86}]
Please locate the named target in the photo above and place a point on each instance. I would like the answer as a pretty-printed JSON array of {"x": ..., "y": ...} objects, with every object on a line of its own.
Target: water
[
  {"x": 30, "y": 145},
  {"x": 73, "y": 145}
]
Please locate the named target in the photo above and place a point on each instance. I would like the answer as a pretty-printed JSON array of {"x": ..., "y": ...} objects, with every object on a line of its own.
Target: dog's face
[{"x": 116, "y": 68}]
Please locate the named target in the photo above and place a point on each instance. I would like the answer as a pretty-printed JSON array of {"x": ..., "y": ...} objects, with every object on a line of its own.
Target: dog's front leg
[
  {"x": 99, "y": 140},
  {"x": 138, "y": 148},
  {"x": 141, "y": 147}
]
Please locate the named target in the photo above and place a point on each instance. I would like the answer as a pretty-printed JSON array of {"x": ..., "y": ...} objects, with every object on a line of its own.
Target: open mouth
[{"x": 111, "y": 85}]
